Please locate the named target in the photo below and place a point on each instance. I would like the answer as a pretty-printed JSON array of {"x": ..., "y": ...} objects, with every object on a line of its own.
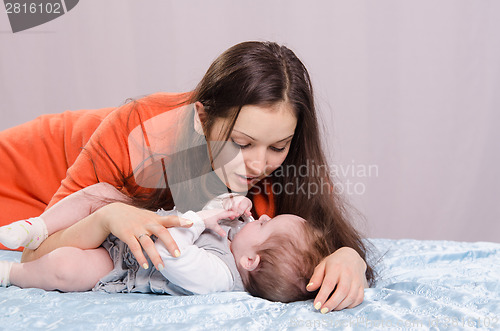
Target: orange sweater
[{"x": 42, "y": 160}]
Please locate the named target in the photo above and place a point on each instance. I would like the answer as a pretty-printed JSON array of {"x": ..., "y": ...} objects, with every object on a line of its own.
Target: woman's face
[{"x": 258, "y": 144}]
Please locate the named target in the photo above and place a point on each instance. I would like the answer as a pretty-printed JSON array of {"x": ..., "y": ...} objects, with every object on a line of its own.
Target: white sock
[
  {"x": 28, "y": 233},
  {"x": 5, "y": 267}
]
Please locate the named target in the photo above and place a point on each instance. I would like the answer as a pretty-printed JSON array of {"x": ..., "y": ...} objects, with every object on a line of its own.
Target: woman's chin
[
  {"x": 241, "y": 186},
  {"x": 237, "y": 188}
]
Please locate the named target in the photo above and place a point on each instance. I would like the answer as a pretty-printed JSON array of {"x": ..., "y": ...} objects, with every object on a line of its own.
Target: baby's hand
[
  {"x": 238, "y": 204},
  {"x": 211, "y": 217}
]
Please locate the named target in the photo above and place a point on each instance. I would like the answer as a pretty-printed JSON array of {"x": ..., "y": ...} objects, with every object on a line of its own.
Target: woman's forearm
[
  {"x": 89, "y": 233},
  {"x": 79, "y": 205},
  {"x": 130, "y": 224},
  {"x": 62, "y": 219}
]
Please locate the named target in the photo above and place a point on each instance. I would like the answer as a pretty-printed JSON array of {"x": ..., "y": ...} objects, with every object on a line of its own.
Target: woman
[{"x": 257, "y": 96}]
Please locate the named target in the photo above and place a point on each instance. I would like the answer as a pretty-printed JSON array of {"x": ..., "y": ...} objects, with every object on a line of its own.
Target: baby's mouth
[{"x": 236, "y": 225}]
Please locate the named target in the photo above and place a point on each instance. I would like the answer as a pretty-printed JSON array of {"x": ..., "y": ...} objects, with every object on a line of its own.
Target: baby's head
[{"x": 276, "y": 257}]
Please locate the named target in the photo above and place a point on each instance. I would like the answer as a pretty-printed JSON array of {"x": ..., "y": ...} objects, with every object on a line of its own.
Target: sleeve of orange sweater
[
  {"x": 101, "y": 159},
  {"x": 106, "y": 157}
]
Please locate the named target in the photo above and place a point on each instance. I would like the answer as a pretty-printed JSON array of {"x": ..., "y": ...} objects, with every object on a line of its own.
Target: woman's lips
[{"x": 246, "y": 180}]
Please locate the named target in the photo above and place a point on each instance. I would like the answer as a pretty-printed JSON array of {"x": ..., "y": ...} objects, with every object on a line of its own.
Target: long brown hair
[{"x": 265, "y": 73}]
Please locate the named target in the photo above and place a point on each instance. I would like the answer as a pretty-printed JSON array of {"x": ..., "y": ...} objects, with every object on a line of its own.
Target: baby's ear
[{"x": 248, "y": 263}]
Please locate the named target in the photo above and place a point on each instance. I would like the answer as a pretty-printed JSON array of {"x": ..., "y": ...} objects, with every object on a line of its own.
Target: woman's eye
[
  {"x": 279, "y": 150},
  {"x": 240, "y": 146}
]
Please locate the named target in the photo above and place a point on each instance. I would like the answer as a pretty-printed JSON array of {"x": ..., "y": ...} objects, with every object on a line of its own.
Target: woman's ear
[
  {"x": 248, "y": 263},
  {"x": 200, "y": 116}
]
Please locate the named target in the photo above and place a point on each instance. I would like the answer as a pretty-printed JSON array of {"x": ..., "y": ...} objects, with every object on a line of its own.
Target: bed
[{"x": 421, "y": 285}]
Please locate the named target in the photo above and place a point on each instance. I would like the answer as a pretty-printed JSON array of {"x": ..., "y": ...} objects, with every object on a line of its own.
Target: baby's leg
[
  {"x": 32, "y": 232},
  {"x": 27, "y": 233},
  {"x": 67, "y": 269}
]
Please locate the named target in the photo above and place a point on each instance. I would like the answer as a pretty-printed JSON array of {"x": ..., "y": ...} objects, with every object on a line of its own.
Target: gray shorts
[{"x": 128, "y": 277}]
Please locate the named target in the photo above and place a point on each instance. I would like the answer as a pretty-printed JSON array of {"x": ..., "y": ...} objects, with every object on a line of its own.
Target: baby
[{"x": 272, "y": 258}]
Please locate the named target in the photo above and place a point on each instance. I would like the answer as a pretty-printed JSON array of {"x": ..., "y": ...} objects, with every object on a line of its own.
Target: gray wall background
[{"x": 409, "y": 91}]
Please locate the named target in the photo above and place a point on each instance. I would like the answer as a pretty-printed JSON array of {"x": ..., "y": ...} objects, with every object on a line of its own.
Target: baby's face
[{"x": 255, "y": 233}]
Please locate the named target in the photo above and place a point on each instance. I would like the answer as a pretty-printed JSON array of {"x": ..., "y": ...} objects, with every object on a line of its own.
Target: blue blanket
[{"x": 421, "y": 285}]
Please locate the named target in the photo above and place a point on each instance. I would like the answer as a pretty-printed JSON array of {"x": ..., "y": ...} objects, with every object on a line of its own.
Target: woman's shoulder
[
  {"x": 139, "y": 110},
  {"x": 166, "y": 99}
]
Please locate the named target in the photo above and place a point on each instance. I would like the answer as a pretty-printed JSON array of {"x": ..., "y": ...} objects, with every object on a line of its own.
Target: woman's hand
[
  {"x": 344, "y": 271},
  {"x": 134, "y": 227}
]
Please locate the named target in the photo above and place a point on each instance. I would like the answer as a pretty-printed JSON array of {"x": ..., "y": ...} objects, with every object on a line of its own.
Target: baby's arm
[
  {"x": 196, "y": 270},
  {"x": 32, "y": 232},
  {"x": 238, "y": 204},
  {"x": 231, "y": 201}
]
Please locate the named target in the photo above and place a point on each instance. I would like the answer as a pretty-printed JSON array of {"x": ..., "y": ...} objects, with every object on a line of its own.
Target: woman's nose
[{"x": 256, "y": 163}]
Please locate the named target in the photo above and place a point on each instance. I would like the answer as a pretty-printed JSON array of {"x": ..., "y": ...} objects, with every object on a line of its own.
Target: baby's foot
[
  {"x": 5, "y": 267},
  {"x": 28, "y": 233}
]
